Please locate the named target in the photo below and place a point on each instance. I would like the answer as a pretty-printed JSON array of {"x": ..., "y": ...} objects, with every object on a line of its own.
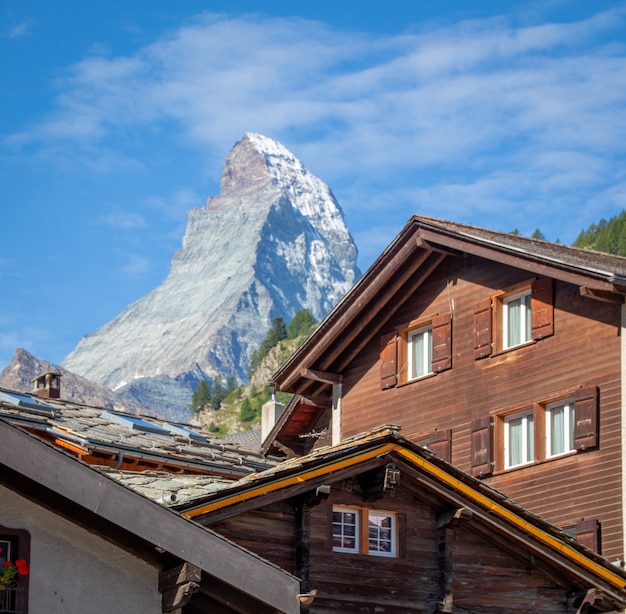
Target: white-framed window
[
  {"x": 382, "y": 534},
  {"x": 345, "y": 529},
  {"x": 381, "y": 537},
  {"x": 559, "y": 428},
  {"x": 420, "y": 358},
  {"x": 516, "y": 319},
  {"x": 519, "y": 439}
]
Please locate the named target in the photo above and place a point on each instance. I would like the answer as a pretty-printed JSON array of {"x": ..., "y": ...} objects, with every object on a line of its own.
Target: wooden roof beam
[
  {"x": 399, "y": 298},
  {"x": 321, "y": 376},
  {"x": 525, "y": 261},
  {"x": 601, "y": 295},
  {"x": 364, "y": 292}
]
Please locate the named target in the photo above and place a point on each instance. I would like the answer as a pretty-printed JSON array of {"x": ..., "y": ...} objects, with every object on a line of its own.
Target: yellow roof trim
[
  {"x": 289, "y": 481},
  {"x": 486, "y": 502},
  {"x": 442, "y": 475}
]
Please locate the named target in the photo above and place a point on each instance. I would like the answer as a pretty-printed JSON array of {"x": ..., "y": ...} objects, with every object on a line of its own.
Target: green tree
[
  {"x": 537, "y": 234},
  {"x": 302, "y": 323},
  {"x": 201, "y": 395},
  {"x": 218, "y": 393},
  {"x": 231, "y": 384},
  {"x": 247, "y": 412},
  {"x": 605, "y": 236},
  {"x": 277, "y": 333}
]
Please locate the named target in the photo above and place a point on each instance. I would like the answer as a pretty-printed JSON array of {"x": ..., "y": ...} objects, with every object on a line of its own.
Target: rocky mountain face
[
  {"x": 273, "y": 242},
  {"x": 18, "y": 375}
]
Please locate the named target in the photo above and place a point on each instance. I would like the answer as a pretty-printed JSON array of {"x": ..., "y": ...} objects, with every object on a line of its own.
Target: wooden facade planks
[
  {"x": 584, "y": 350},
  {"x": 446, "y": 562}
]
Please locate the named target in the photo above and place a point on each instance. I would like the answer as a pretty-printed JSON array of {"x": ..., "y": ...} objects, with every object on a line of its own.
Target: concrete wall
[{"x": 72, "y": 570}]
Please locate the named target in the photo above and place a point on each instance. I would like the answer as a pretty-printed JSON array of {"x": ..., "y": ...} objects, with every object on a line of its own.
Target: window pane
[
  {"x": 517, "y": 320},
  {"x": 420, "y": 353},
  {"x": 519, "y": 439},
  {"x": 514, "y": 312},
  {"x": 5, "y": 551},
  {"x": 561, "y": 424},
  {"x": 381, "y": 534},
  {"x": 345, "y": 530}
]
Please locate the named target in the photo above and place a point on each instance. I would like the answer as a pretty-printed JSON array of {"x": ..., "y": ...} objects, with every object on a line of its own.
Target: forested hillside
[{"x": 605, "y": 236}]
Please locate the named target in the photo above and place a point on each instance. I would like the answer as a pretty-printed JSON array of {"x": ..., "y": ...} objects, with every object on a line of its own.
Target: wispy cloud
[
  {"x": 475, "y": 116},
  {"x": 136, "y": 265},
  {"x": 17, "y": 29},
  {"x": 123, "y": 220}
]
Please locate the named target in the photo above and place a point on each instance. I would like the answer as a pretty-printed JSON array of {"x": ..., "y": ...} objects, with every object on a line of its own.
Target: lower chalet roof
[
  {"x": 50, "y": 475},
  {"x": 101, "y": 436},
  {"x": 427, "y": 475}
]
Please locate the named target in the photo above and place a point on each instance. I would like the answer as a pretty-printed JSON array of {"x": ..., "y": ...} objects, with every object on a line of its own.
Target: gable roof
[
  {"x": 428, "y": 477},
  {"x": 45, "y": 473},
  {"x": 410, "y": 259},
  {"x": 130, "y": 442}
]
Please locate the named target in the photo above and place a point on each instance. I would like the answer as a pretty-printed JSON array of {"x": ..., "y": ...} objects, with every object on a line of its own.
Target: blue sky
[{"x": 117, "y": 117}]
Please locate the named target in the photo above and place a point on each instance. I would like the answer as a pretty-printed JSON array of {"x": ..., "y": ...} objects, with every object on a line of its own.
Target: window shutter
[
  {"x": 441, "y": 444},
  {"x": 482, "y": 329},
  {"x": 442, "y": 342},
  {"x": 586, "y": 418},
  {"x": 542, "y": 308},
  {"x": 388, "y": 360},
  {"x": 588, "y": 534},
  {"x": 482, "y": 447}
]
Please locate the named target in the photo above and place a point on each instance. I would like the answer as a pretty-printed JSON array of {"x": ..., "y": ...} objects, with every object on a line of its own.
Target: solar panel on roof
[
  {"x": 184, "y": 431},
  {"x": 136, "y": 423},
  {"x": 25, "y": 401}
]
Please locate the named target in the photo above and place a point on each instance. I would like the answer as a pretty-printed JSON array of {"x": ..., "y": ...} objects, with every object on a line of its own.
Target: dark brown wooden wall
[
  {"x": 483, "y": 577},
  {"x": 584, "y": 351},
  {"x": 268, "y": 532},
  {"x": 365, "y": 583}
]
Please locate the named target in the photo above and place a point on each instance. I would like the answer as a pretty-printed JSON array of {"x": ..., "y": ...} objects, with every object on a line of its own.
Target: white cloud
[
  {"x": 480, "y": 115},
  {"x": 136, "y": 266},
  {"x": 123, "y": 220}
]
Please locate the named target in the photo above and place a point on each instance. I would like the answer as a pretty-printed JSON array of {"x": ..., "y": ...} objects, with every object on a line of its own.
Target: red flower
[
  {"x": 22, "y": 567},
  {"x": 7, "y": 564}
]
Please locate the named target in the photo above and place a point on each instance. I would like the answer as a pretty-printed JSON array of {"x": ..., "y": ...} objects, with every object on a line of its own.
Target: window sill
[
  {"x": 536, "y": 463},
  {"x": 421, "y": 378},
  {"x": 514, "y": 347}
]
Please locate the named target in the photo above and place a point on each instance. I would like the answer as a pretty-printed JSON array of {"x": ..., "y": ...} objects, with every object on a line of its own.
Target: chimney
[
  {"x": 48, "y": 385},
  {"x": 270, "y": 413}
]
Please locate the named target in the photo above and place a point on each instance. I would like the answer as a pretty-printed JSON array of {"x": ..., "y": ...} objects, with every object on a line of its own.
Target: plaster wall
[{"x": 73, "y": 570}]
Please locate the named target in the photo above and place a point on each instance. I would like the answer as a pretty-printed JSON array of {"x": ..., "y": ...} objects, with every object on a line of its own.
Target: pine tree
[
  {"x": 201, "y": 396},
  {"x": 218, "y": 394},
  {"x": 301, "y": 324}
]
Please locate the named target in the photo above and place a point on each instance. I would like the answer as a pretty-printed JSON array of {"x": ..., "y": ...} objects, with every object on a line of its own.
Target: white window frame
[
  {"x": 426, "y": 333},
  {"x": 524, "y": 326},
  {"x": 342, "y": 533},
  {"x": 375, "y": 530},
  {"x": 527, "y": 442},
  {"x": 568, "y": 427},
  {"x": 371, "y": 542}
]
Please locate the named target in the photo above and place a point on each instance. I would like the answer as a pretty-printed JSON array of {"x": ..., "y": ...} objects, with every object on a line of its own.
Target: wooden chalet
[
  {"x": 93, "y": 545},
  {"x": 378, "y": 524},
  {"x": 502, "y": 354}
]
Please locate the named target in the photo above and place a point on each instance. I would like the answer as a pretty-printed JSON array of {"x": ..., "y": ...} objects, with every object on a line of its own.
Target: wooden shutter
[
  {"x": 482, "y": 447},
  {"x": 442, "y": 342},
  {"x": 482, "y": 328},
  {"x": 588, "y": 534},
  {"x": 388, "y": 360},
  {"x": 441, "y": 444},
  {"x": 586, "y": 418},
  {"x": 542, "y": 308}
]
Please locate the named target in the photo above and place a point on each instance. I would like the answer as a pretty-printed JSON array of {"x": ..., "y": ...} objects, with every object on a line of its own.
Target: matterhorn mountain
[{"x": 273, "y": 242}]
